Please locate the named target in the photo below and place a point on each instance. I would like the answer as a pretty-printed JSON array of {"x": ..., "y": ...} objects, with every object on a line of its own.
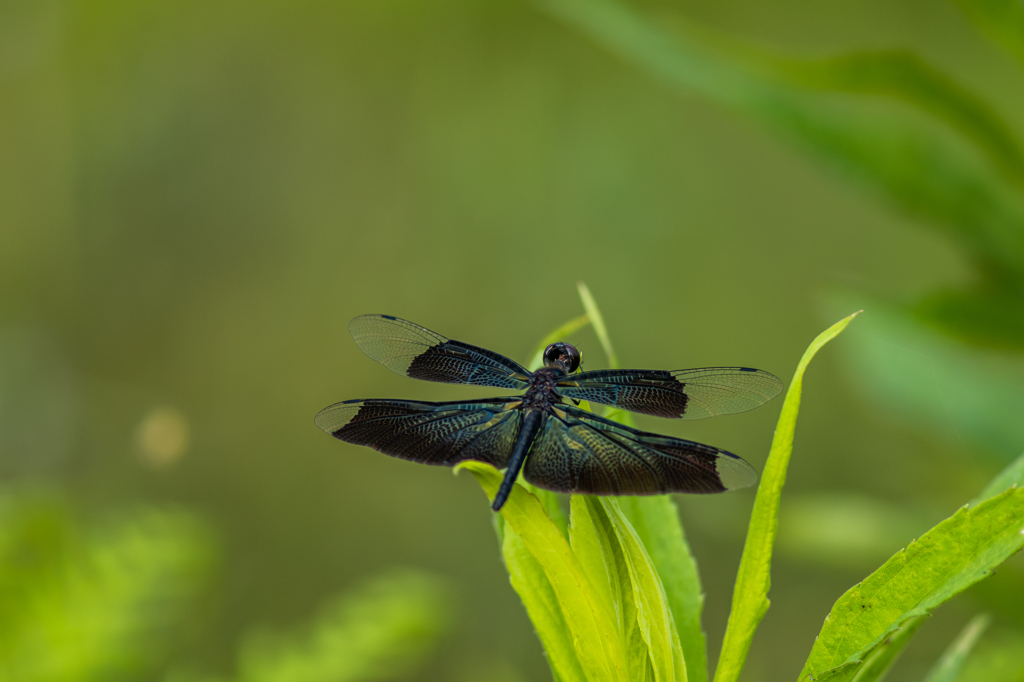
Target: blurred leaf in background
[
  {"x": 971, "y": 396},
  {"x": 109, "y": 602},
  {"x": 884, "y": 119},
  {"x": 846, "y": 530},
  {"x": 947, "y": 668},
  {"x": 1001, "y": 20},
  {"x": 380, "y": 630},
  {"x": 998, "y": 657},
  {"x": 90, "y": 603}
]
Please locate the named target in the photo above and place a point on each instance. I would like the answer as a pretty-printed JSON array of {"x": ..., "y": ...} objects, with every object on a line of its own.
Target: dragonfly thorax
[{"x": 541, "y": 394}]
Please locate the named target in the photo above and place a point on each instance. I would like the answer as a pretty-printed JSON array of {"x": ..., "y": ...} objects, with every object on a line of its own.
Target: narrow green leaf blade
[
  {"x": 596, "y": 545},
  {"x": 948, "y": 666},
  {"x": 597, "y": 320},
  {"x": 594, "y": 630},
  {"x": 541, "y": 602},
  {"x": 998, "y": 658},
  {"x": 656, "y": 521},
  {"x": 652, "y": 612},
  {"x": 945, "y": 561},
  {"x": 750, "y": 596}
]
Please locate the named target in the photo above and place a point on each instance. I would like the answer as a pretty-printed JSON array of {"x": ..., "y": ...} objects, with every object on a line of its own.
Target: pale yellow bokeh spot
[{"x": 162, "y": 437}]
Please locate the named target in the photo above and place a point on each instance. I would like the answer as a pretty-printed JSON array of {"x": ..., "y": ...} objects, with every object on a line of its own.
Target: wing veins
[
  {"x": 615, "y": 443},
  {"x": 441, "y": 418}
]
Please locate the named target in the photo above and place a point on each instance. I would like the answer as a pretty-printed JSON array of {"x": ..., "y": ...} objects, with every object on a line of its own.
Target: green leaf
[
  {"x": 596, "y": 545},
  {"x": 883, "y": 656},
  {"x": 1001, "y": 20},
  {"x": 1012, "y": 475},
  {"x": 904, "y": 77},
  {"x": 988, "y": 315},
  {"x": 946, "y": 560},
  {"x": 998, "y": 658},
  {"x": 656, "y": 522},
  {"x": 592, "y": 625},
  {"x": 750, "y": 596},
  {"x": 534, "y": 589},
  {"x": 615, "y": 558},
  {"x": 380, "y": 630},
  {"x": 883, "y": 149},
  {"x": 912, "y": 372},
  {"x": 653, "y": 615},
  {"x": 947, "y": 668},
  {"x": 597, "y": 320},
  {"x": 96, "y": 603}
]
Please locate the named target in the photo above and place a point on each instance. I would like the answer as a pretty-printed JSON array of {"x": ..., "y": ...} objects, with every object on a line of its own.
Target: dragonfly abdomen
[{"x": 532, "y": 422}]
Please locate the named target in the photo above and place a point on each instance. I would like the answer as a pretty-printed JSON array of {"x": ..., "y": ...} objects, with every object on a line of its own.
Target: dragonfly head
[{"x": 563, "y": 356}]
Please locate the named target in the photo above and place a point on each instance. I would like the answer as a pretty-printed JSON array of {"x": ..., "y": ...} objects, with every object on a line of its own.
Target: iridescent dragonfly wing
[
  {"x": 684, "y": 393},
  {"x": 443, "y": 434},
  {"x": 414, "y": 351},
  {"x": 578, "y": 452}
]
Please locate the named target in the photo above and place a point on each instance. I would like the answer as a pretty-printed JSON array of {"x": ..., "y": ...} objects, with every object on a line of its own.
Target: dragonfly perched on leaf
[{"x": 558, "y": 446}]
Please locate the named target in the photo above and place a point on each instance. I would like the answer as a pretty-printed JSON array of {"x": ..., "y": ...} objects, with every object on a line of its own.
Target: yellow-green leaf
[
  {"x": 943, "y": 562},
  {"x": 535, "y": 591},
  {"x": 593, "y": 626},
  {"x": 656, "y": 522},
  {"x": 654, "y": 617},
  {"x": 750, "y": 596}
]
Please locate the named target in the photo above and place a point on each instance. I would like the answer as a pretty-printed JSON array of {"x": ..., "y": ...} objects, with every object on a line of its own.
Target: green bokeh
[{"x": 196, "y": 197}]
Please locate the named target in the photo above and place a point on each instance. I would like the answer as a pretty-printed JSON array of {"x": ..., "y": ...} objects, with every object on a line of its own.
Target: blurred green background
[{"x": 196, "y": 197}]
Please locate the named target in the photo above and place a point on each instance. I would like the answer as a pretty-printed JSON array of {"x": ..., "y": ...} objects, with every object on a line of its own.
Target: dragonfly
[{"x": 558, "y": 445}]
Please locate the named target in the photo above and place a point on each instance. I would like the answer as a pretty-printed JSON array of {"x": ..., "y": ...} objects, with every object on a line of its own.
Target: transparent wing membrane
[
  {"x": 685, "y": 393},
  {"x": 414, "y": 351}
]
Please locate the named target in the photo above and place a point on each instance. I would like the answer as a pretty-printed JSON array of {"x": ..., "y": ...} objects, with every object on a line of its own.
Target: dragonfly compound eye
[{"x": 564, "y": 355}]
